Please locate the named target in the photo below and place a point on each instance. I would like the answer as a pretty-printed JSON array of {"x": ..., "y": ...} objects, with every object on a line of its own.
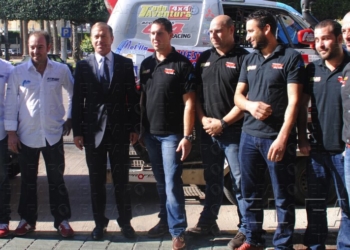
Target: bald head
[
  {"x": 221, "y": 33},
  {"x": 346, "y": 30},
  {"x": 224, "y": 20}
]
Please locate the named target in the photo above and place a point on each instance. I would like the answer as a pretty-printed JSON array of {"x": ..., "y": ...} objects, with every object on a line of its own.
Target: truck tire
[
  {"x": 228, "y": 191},
  {"x": 301, "y": 183},
  {"x": 231, "y": 197}
]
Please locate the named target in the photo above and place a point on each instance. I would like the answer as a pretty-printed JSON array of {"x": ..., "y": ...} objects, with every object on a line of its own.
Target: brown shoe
[
  {"x": 158, "y": 230},
  {"x": 179, "y": 242},
  {"x": 204, "y": 229}
]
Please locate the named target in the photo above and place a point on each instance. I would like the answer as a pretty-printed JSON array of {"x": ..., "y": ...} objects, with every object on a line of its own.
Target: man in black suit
[{"x": 104, "y": 117}]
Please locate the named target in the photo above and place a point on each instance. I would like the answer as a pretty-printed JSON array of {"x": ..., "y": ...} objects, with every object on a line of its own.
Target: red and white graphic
[
  {"x": 110, "y": 5},
  {"x": 209, "y": 14},
  {"x": 342, "y": 80},
  {"x": 177, "y": 28},
  {"x": 277, "y": 65},
  {"x": 230, "y": 65},
  {"x": 169, "y": 71},
  {"x": 140, "y": 176}
]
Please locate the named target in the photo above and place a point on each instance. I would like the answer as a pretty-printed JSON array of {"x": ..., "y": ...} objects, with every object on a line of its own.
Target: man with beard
[
  {"x": 168, "y": 102},
  {"x": 345, "y": 91},
  {"x": 324, "y": 79},
  {"x": 217, "y": 72},
  {"x": 346, "y": 30},
  {"x": 269, "y": 91},
  {"x": 34, "y": 123}
]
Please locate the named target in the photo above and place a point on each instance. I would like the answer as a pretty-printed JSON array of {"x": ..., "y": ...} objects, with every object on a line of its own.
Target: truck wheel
[
  {"x": 301, "y": 183},
  {"x": 228, "y": 191},
  {"x": 301, "y": 180}
]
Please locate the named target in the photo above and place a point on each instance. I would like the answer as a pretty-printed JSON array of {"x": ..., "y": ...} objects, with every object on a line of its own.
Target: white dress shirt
[
  {"x": 5, "y": 70},
  {"x": 34, "y": 103}
]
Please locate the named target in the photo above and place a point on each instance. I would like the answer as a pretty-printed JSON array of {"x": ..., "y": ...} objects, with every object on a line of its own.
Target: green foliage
[
  {"x": 86, "y": 45},
  {"x": 78, "y": 11},
  {"x": 324, "y": 9}
]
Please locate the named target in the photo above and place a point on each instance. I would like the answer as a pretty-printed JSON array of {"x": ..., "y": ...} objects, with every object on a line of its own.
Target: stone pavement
[{"x": 145, "y": 209}]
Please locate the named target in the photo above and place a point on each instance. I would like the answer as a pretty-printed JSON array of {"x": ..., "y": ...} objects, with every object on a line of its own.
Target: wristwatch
[
  {"x": 223, "y": 124},
  {"x": 189, "y": 137}
]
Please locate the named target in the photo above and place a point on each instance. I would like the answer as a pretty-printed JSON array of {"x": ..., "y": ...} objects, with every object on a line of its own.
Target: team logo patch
[
  {"x": 146, "y": 71},
  {"x": 25, "y": 82},
  {"x": 206, "y": 64},
  {"x": 277, "y": 65},
  {"x": 52, "y": 79},
  {"x": 315, "y": 79},
  {"x": 342, "y": 80},
  {"x": 230, "y": 65},
  {"x": 169, "y": 71},
  {"x": 251, "y": 67}
]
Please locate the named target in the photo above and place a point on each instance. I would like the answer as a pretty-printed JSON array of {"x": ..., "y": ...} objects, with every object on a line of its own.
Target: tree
[
  {"x": 324, "y": 9},
  {"x": 86, "y": 45}
]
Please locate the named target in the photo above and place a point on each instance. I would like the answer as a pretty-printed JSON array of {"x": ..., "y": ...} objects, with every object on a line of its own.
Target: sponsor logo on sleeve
[
  {"x": 146, "y": 71},
  {"x": 206, "y": 64}
]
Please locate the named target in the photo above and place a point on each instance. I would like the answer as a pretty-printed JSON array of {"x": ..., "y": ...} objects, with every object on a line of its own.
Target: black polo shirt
[
  {"x": 267, "y": 81},
  {"x": 164, "y": 84},
  {"x": 218, "y": 77},
  {"x": 326, "y": 105},
  {"x": 345, "y": 94}
]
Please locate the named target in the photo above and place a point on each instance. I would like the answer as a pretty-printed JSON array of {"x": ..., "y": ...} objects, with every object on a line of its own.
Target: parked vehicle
[
  {"x": 131, "y": 21},
  {"x": 53, "y": 57}
]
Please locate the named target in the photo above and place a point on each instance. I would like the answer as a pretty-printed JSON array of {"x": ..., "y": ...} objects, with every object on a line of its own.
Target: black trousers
[
  {"x": 58, "y": 195},
  {"x": 96, "y": 159},
  {"x": 5, "y": 190}
]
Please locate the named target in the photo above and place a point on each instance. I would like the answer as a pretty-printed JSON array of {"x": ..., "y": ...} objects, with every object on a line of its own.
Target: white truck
[{"x": 131, "y": 21}]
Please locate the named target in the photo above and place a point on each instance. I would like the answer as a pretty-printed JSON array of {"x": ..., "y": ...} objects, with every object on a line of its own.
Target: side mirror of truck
[{"x": 307, "y": 37}]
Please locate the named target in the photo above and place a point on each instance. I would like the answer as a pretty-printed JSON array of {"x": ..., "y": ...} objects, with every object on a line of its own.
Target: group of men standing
[{"x": 248, "y": 103}]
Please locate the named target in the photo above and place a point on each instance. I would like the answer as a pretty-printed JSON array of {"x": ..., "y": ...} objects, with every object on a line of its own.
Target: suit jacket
[{"x": 92, "y": 108}]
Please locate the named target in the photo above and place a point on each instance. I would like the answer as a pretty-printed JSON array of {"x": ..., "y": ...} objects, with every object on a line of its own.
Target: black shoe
[
  {"x": 128, "y": 231},
  {"x": 98, "y": 232},
  {"x": 204, "y": 229},
  {"x": 158, "y": 230}
]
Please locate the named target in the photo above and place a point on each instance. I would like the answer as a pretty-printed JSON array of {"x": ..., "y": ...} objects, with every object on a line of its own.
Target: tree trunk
[
  {"x": 63, "y": 43},
  {"x": 25, "y": 37},
  {"x": 56, "y": 49},
  {"x": 75, "y": 42},
  {"x": 48, "y": 29},
  {"x": 6, "y": 35},
  {"x": 41, "y": 22}
]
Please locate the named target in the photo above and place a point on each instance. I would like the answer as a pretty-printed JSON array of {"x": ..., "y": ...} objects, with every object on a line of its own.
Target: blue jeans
[
  {"x": 322, "y": 169},
  {"x": 5, "y": 191},
  {"x": 167, "y": 169},
  {"x": 214, "y": 150},
  {"x": 253, "y": 160},
  {"x": 347, "y": 171}
]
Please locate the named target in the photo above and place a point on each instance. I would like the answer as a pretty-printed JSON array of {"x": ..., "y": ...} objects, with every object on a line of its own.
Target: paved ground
[{"x": 145, "y": 210}]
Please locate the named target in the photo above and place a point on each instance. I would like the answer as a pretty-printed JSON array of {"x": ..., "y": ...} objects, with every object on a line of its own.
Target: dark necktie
[{"x": 105, "y": 80}]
